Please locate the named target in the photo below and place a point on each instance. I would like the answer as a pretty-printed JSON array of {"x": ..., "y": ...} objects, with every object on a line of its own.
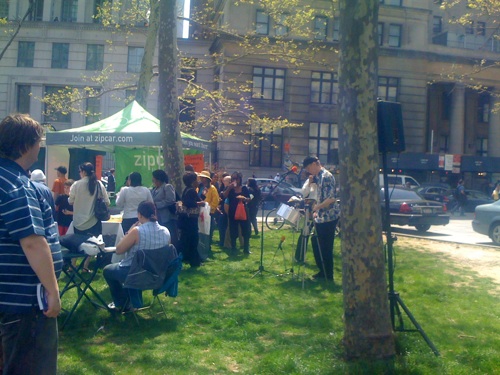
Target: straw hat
[{"x": 205, "y": 174}]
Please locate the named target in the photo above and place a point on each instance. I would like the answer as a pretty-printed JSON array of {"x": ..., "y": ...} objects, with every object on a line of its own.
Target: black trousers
[{"x": 322, "y": 244}]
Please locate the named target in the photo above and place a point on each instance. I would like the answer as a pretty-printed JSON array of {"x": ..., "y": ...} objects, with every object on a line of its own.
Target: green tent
[
  {"x": 132, "y": 126},
  {"x": 133, "y": 134}
]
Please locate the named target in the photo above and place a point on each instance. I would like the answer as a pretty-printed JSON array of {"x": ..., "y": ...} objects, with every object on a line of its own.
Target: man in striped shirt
[{"x": 29, "y": 254}]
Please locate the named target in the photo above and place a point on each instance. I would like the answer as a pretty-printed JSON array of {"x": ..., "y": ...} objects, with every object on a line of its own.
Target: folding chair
[
  {"x": 157, "y": 270},
  {"x": 171, "y": 285}
]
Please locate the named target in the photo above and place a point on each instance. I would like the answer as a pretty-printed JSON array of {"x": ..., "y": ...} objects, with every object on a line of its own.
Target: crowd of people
[{"x": 34, "y": 218}]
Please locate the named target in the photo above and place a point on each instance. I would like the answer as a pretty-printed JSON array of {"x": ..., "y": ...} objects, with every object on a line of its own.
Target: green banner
[
  {"x": 139, "y": 159},
  {"x": 142, "y": 159}
]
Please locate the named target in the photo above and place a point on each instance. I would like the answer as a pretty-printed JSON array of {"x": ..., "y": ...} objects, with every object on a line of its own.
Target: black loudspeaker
[{"x": 390, "y": 127}]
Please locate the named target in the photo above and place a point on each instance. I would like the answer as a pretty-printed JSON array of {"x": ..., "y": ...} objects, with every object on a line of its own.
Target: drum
[{"x": 288, "y": 213}]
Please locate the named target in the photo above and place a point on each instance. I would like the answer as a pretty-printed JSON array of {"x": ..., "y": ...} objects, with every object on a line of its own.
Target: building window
[
  {"x": 437, "y": 24},
  {"x": 395, "y": 35},
  {"x": 4, "y": 9},
  {"x": 69, "y": 10},
  {"x": 483, "y": 108},
  {"x": 280, "y": 29},
  {"x": 25, "y": 54},
  {"x": 481, "y": 28},
  {"x": 23, "y": 98},
  {"x": 92, "y": 109},
  {"x": 37, "y": 11},
  {"x": 268, "y": 83},
  {"x": 95, "y": 15},
  {"x": 469, "y": 28},
  {"x": 324, "y": 141},
  {"x": 323, "y": 87},
  {"x": 336, "y": 29},
  {"x": 134, "y": 59},
  {"x": 446, "y": 105},
  {"x": 265, "y": 149},
  {"x": 51, "y": 114},
  {"x": 320, "y": 27},
  {"x": 380, "y": 28},
  {"x": 482, "y": 146},
  {"x": 388, "y": 88},
  {"x": 261, "y": 23},
  {"x": 95, "y": 57},
  {"x": 60, "y": 55}
]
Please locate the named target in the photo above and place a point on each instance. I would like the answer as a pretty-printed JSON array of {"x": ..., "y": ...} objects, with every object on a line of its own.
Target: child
[{"x": 64, "y": 210}]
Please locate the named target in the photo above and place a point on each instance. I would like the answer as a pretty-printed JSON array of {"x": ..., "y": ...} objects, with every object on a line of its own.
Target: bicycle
[{"x": 273, "y": 221}]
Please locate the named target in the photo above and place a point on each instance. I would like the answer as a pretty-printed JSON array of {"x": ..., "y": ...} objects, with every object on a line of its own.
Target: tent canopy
[{"x": 132, "y": 126}]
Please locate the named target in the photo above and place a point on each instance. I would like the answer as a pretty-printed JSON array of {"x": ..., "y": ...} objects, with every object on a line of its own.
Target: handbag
[
  {"x": 241, "y": 212},
  {"x": 101, "y": 210},
  {"x": 182, "y": 210}
]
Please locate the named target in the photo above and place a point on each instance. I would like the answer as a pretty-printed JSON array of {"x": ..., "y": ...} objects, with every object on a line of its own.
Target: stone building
[{"x": 450, "y": 129}]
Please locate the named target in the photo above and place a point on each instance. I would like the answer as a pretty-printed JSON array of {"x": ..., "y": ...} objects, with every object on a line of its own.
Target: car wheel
[
  {"x": 495, "y": 233},
  {"x": 422, "y": 227}
]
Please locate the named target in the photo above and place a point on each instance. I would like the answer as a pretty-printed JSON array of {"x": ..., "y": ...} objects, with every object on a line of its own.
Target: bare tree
[{"x": 368, "y": 332}]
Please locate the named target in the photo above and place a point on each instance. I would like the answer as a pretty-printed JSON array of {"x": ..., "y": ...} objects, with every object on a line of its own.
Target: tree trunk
[
  {"x": 368, "y": 332},
  {"x": 141, "y": 95},
  {"x": 168, "y": 100}
]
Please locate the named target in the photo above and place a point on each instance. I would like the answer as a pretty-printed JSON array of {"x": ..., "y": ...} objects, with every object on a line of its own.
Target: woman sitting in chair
[{"x": 144, "y": 235}]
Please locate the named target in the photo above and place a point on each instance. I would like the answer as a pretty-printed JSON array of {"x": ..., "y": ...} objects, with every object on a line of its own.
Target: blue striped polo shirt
[{"x": 23, "y": 212}]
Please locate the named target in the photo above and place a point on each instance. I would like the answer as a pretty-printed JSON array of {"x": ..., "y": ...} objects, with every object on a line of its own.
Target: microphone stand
[{"x": 261, "y": 268}]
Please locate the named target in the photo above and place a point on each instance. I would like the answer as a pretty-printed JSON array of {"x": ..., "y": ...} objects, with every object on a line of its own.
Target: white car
[{"x": 487, "y": 221}]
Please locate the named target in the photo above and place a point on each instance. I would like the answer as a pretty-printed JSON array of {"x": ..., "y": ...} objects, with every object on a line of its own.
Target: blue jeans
[
  {"x": 29, "y": 343},
  {"x": 115, "y": 277}
]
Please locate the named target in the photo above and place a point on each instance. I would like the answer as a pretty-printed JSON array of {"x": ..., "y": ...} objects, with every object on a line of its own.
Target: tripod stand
[
  {"x": 261, "y": 268},
  {"x": 395, "y": 301}
]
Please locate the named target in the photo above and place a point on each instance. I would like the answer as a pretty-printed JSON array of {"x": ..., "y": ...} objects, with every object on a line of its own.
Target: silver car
[{"x": 487, "y": 221}]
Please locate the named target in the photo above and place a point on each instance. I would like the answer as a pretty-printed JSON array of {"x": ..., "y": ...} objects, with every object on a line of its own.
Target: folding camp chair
[{"x": 157, "y": 270}]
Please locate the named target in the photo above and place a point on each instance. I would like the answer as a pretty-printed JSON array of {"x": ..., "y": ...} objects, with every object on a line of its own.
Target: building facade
[{"x": 425, "y": 63}]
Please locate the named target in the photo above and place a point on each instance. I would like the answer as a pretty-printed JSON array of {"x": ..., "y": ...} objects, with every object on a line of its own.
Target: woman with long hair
[
  {"x": 236, "y": 193},
  {"x": 82, "y": 195},
  {"x": 129, "y": 197},
  {"x": 145, "y": 234}
]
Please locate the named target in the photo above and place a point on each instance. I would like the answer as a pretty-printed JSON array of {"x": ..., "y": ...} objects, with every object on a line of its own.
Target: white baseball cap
[{"x": 37, "y": 175}]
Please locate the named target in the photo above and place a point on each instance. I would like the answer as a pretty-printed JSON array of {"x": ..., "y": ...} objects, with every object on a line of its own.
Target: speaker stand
[{"x": 395, "y": 301}]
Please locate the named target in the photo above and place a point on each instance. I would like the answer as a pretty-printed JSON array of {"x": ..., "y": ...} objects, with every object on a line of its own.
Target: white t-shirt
[
  {"x": 129, "y": 198},
  {"x": 83, "y": 203}
]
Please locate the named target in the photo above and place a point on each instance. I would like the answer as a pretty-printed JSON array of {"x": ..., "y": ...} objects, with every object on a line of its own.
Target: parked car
[
  {"x": 474, "y": 199},
  {"x": 279, "y": 193},
  {"x": 263, "y": 181},
  {"x": 407, "y": 207},
  {"x": 399, "y": 180},
  {"x": 487, "y": 220},
  {"x": 438, "y": 193}
]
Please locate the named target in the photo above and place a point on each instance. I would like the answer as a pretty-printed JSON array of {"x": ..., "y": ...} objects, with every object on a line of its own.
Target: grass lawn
[{"x": 224, "y": 321}]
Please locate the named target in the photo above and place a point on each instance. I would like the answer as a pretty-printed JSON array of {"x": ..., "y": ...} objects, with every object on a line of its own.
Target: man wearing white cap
[{"x": 38, "y": 179}]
